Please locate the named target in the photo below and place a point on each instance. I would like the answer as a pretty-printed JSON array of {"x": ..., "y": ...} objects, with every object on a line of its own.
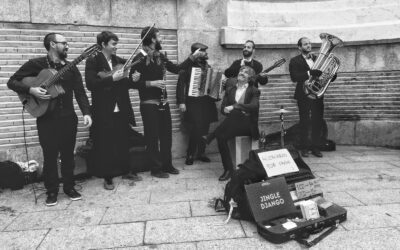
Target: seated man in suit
[{"x": 241, "y": 106}]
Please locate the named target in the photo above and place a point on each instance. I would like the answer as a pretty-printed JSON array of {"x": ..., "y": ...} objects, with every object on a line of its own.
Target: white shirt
[
  {"x": 240, "y": 91},
  {"x": 310, "y": 63},
  {"x": 116, "y": 108}
]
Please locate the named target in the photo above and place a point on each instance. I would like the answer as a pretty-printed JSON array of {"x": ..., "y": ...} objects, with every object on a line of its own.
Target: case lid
[{"x": 270, "y": 199}]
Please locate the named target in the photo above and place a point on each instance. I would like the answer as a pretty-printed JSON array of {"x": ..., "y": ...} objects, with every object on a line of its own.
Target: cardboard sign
[
  {"x": 277, "y": 162},
  {"x": 307, "y": 188},
  {"x": 270, "y": 199}
]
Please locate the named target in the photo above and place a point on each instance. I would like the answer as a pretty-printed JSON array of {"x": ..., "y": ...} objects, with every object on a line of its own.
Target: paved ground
[{"x": 174, "y": 213}]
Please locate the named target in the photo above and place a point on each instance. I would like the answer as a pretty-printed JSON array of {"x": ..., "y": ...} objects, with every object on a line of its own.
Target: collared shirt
[
  {"x": 240, "y": 91},
  {"x": 116, "y": 108},
  {"x": 309, "y": 61}
]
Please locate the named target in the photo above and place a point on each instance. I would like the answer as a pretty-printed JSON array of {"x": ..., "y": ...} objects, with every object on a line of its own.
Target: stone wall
[{"x": 368, "y": 80}]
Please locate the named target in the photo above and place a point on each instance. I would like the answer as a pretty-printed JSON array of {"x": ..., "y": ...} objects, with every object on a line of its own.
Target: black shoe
[
  {"x": 108, "y": 184},
  {"x": 160, "y": 174},
  {"x": 316, "y": 152},
  {"x": 189, "y": 160},
  {"x": 51, "y": 199},
  {"x": 225, "y": 176},
  {"x": 132, "y": 176},
  {"x": 304, "y": 153},
  {"x": 73, "y": 194},
  {"x": 203, "y": 158},
  {"x": 171, "y": 170}
]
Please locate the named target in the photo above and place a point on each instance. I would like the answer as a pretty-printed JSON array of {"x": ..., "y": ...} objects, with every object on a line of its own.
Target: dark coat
[
  {"x": 250, "y": 107},
  {"x": 298, "y": 68},
  {"x": 106, "y": 93}
]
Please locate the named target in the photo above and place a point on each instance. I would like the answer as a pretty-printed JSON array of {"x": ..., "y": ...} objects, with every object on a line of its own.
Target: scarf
[{"x": 152, "y": 55}]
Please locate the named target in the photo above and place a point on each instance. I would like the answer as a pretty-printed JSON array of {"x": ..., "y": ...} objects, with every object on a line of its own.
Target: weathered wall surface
[{"x": 362, "y": 107}]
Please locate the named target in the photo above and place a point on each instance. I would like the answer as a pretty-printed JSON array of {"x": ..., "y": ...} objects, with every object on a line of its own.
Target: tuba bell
[{"x": 327, "y": 63}]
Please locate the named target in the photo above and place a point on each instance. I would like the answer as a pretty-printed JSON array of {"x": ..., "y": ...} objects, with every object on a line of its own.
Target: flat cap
[{"x": 196, "y": 46}]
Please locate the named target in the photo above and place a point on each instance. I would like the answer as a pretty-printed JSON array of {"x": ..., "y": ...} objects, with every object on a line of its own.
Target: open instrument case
[{"x": 293, "y": 226}]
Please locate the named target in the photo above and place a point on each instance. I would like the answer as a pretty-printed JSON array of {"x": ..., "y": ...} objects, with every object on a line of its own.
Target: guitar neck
[
  {"x": 68, "y": 67},
  {"x": 269, "y": 69}
]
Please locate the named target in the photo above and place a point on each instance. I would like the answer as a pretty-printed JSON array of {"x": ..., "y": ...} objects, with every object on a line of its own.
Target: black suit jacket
[
  {"x": 298, "y": 68},
  {"x": 106, "y": 93},
  {"x": 251, "y": 106}
]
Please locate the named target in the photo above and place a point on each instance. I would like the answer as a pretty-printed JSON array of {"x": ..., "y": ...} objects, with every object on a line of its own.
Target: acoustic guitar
[
  {"x": 232, "y": 81},
  {"x": 48, "y": 79}
]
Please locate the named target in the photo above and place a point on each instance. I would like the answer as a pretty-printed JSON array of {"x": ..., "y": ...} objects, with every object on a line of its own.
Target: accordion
[{"x": 212, "y": 86}]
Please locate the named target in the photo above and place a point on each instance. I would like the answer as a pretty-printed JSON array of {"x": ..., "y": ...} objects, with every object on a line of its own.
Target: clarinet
[{"x": 164, "y": 99}]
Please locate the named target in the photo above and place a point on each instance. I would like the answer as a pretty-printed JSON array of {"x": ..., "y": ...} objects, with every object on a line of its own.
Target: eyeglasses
[{"x": 63, "y": 43}]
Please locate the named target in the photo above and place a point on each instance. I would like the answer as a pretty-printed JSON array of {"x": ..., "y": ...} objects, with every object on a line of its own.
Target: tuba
[{"x": 327, "y": 63}]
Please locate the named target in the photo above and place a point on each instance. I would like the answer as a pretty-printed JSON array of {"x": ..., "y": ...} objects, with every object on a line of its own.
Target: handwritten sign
[
  {"x": 277, "y": 162},
  {"x": 269, "y": 199},
  {"x": 307, "y": 188}
]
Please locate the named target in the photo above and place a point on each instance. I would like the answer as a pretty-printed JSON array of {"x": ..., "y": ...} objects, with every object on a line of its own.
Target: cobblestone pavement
[{"x": 174, "y": 213}]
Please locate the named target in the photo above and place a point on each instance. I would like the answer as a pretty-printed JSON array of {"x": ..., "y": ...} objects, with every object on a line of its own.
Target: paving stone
[
  {"x": 368, "y": 217},
  {"x": 110, "y": 199},
  {"x": 377, "y": 196},
  {"x": 374, "y": 165},
  {"x": 146, "y": 212},
  {"x": 203, "y": 165},
  {"x": 329, "y": 160},
  {"x": 186, "y": 195},
  {"x": 348, "y": 175},
  {"x": 54, "y": 219},
  {"x": 342, "y": 199},
  {"x": 332, "y": 186},
  {"x": 100, "y": 236},
  {"x": 23, "y": 201},
  {"x": 394, "y": 172},
  {"x": 6, "y": 218},
  {"x": 371, "y": 157},
  {"x": 204, "y": 183},
  {"x": 204, "y": 208},
  {"x": 179, "y": 246},
  {"x": 197, "y": 173},
  {"x": 22, "y": 239},
  {"x": 245, "y": 243},
  {"x": 381, "y": 238},
  {"x": 383, "y": 183},
  {"x": 322, "y": 167},
  {"x": 395, "y": 163},
  {"x": 392, "y": 210},
  {"x": 149, "y": 184},
  {"x": 191, "y": 229}
]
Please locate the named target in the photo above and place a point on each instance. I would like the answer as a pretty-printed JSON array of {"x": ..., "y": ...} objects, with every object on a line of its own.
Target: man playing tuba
[{"x": 311, "y": 111}]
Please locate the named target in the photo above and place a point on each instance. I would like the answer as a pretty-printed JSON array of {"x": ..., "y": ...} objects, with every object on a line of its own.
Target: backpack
[{"x": 11, "y": 175}]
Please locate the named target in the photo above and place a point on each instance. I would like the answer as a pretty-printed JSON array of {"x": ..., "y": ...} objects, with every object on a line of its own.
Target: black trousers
[
  {"x": 310, "y": 112},
  {"x": 110, "y": 152},
  {"x": 198, "y": 119},
  {"x": 236, "y": 124},
  {"x": 158, "y": 135},
  {"x": 57, "y": 135},
  {"x": 196, "y": 143}
]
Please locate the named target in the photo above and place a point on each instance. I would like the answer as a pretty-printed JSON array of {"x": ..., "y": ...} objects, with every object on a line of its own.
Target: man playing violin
[
  {"x": 112, "y": 112},
  {"x": 57, "y": 128}
]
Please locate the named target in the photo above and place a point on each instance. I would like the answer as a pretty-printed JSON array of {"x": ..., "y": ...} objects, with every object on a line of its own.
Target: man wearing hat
[
  {"x": 154, "y": 107},
  {"x": 200, "y": 111}
]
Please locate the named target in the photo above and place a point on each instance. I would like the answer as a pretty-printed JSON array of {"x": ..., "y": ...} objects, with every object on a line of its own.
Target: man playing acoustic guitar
[{"x": 57, "y": 128}]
